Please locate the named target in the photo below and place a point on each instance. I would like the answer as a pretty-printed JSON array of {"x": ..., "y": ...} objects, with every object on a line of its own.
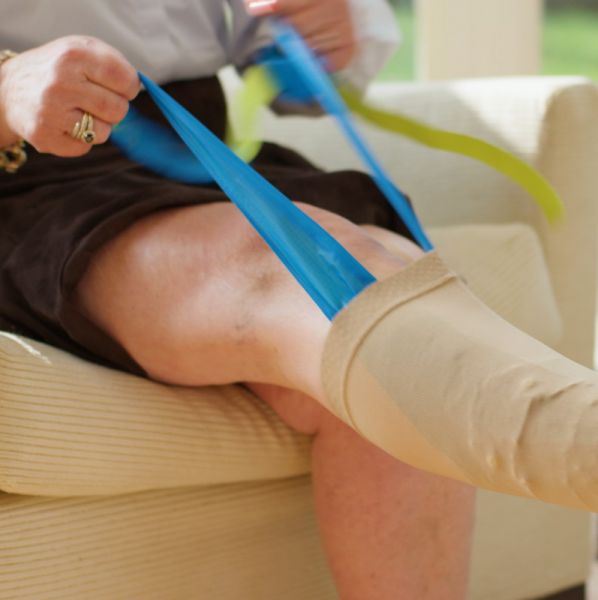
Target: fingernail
[{"x": 262, "y": 7}]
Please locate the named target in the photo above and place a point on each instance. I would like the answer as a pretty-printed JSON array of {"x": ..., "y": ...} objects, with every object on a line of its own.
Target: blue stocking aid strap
[
  {"x": 327, "y": 272},
  {"x": 159, "y": 148},
  {"x": 321, "y": 88}
]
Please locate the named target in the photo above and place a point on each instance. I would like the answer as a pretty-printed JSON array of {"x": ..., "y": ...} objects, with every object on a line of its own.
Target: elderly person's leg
[
  {"x": 391, "y": 532},
  {"x": 197, "y": 298}
]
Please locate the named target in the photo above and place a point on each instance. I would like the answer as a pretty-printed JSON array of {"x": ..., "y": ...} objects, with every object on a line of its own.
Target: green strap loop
[
  {"x": 259, "y": 89},
  {"x": 502, "y": 161},
  {"x": 242, "y": 135}
]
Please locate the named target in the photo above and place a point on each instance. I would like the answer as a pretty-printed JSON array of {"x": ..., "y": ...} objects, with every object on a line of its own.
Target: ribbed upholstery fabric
[
  {"x": 69, "y": 428},
  {"x": 504, "y": 266},
  {"x": 240, "y": 541}
]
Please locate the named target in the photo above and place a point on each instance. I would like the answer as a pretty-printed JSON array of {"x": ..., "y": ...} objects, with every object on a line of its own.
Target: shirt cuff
[{"x": 378, "y": 37}]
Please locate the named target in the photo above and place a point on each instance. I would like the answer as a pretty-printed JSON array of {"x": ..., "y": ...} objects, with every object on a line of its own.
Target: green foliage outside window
[{"x": 570, "y": 40}]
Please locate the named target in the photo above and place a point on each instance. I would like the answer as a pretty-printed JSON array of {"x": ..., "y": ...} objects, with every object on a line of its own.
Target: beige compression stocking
[{"x": 423, "y": 369}]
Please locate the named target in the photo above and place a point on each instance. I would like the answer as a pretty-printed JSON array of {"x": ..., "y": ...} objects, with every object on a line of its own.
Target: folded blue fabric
[{"x": 159, "y": 149}]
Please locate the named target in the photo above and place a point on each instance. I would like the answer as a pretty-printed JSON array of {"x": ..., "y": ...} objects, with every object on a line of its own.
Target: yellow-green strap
[
  {"x": 504, "y": 162},
  {"x": 258, "y": 90}
]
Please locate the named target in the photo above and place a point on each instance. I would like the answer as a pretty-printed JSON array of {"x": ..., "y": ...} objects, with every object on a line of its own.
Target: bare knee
[
  {"x": 196, "y": 297},
  {"x": 178, "y": 286}
]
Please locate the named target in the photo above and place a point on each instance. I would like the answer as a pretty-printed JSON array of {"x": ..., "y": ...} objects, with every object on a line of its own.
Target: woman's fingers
[
  {"x": 260, "y": 8},
  {"x": 110, "y": 70},
  {"x": 326, "y": 25},
  {"x": 100, "y": 128},
  {"x": 101, "y": 103},
  {"x": 55, "y": 135},
  {"x": 45, "y": 91},
  {"x": 327, "y": 31}
]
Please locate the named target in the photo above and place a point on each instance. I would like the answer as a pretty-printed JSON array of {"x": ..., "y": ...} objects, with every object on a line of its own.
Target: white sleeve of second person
[
  {"x": 376, "y": 32},
  {"x": 378, "y": 36}
]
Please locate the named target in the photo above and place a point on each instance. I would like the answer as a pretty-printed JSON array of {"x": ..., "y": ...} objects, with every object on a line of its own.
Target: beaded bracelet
[{"x": 14, "y": 156}]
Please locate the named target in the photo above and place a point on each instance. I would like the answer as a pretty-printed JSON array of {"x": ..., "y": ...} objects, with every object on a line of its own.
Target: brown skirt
[{"x": 55, "y": 213}]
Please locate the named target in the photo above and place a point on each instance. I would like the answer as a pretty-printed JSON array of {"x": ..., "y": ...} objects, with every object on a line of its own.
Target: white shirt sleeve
[{"x": 378, "y": 36}]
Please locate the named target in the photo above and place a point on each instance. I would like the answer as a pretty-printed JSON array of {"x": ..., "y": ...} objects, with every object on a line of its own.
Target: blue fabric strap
[
  {"x": 157, "y": 148},
  {"x": 327, "y": 272},
  {"x": 313, "y": 77}
]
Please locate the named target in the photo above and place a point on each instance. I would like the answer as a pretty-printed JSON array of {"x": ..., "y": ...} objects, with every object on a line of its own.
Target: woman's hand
[
  {"x": 326, "y": 25},
  {"x": 44, "y": 92}
]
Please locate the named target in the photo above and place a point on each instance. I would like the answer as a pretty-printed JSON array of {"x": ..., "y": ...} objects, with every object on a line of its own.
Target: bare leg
[
  {"x": 390, "y": 532},
  {"x": 198, "y": 299}
]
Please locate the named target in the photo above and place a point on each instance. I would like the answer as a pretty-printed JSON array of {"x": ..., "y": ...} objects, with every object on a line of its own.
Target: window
[{"x": 570, "y": 40}]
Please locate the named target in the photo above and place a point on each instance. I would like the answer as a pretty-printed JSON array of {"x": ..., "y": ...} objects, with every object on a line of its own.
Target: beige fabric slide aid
[{"x": 423, "y": 369}]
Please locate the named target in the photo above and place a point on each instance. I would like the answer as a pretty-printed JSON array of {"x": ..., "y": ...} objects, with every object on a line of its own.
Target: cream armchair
[{"x": 115, "y": 487}]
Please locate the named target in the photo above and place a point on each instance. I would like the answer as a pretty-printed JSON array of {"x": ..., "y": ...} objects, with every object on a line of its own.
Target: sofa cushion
[
  {"x": 244, "y": 541},
  {"x": 69, "y": 427}
]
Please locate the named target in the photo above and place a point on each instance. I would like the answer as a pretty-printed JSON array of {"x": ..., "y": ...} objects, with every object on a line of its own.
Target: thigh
[{"x": 197, "y": 298}]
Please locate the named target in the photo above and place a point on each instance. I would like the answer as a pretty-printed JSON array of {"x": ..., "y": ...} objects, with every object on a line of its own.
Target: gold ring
[{"x": 83, "y": 129}]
